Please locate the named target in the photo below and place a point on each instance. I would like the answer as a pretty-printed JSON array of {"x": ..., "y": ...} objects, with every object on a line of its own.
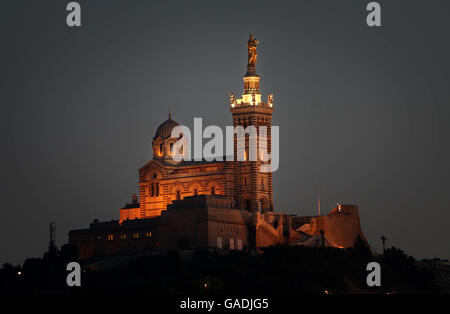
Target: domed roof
[{"x": 165, "y": 129}]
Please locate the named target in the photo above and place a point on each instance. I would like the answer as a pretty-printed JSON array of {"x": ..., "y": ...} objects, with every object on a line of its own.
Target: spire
[
  {"x": 251, "y": 79},
  {"x": 252, "y": 94}
]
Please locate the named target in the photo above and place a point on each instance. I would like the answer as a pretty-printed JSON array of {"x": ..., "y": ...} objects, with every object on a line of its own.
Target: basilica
[{"x": 213, "y": 205}]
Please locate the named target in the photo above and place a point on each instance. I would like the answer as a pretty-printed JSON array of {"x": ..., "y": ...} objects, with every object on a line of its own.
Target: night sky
[{"x": 363, "y": 112}]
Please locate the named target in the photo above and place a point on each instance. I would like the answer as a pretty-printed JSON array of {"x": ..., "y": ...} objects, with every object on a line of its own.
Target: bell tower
[{"x": 253, "y": 187}]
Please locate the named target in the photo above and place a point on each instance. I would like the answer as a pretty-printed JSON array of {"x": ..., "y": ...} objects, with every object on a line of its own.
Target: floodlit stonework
[{"x": 213, "y": 205}]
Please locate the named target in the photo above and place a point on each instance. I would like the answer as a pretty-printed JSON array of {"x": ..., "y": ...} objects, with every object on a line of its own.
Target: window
[
  {"x": 152, "y": 190},
  {"x": 123, "y": 236},
  {"x": 136, "y": 235},
  {"x": 213, "y": 191},
  {"x": 219, "y": 242},
  {"x": 196, "y": 192},
  {"x": 110, "y": 237},
  {"x": 231, "y": 244},
  {"x": 178, "y": 196},
  {"x": 171, "y": 149},
  {"x": 161, "y": 149},
  {"x": 148, "y": 234},
  {"x": 157, "y": 189},
  {"x": 239, "y": 244}
]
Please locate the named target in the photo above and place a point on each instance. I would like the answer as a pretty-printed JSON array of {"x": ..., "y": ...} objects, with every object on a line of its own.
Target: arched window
[
  {"x": 213, "y": 191},
  {"x": 178, "y": 196},
  {"x": 195, "y": 192},
  {"x": 171, "y": 149},
  {"x": 161, "y": 149}
]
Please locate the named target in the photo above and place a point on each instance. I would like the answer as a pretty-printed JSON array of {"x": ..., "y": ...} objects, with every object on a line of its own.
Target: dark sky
[{"x": 363, "y": 112}]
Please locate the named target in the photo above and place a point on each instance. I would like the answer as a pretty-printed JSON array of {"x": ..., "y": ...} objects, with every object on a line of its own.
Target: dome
[{"x": 165, "y": 129}]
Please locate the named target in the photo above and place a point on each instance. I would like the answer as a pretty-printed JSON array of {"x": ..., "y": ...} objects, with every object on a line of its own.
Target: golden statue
[{"x": 252, "y": 55}]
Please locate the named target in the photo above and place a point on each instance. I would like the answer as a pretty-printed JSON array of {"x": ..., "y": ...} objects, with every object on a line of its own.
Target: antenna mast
[
  {"x": 51, "y": 243},
  {"x": 318, "y": 205}
]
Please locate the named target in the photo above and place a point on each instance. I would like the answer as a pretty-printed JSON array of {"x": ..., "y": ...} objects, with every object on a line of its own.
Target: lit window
[
  {"x": 171, "y": 149},
  {"x": 110, "y": 237},
  {"x": 136, "y": 235},
  {"x": 231, "y": 244},
  {"x": 161, "y": 149},
  {"x": 219, "y": 242},
  {"x": 148, "y": 234},
  {"x": 239, "y": 244}
]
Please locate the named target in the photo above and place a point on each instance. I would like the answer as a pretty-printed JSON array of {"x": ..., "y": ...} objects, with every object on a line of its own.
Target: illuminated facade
[
  {"x": 163, "y": 180},
  {"x": 225, "y": 205}
]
